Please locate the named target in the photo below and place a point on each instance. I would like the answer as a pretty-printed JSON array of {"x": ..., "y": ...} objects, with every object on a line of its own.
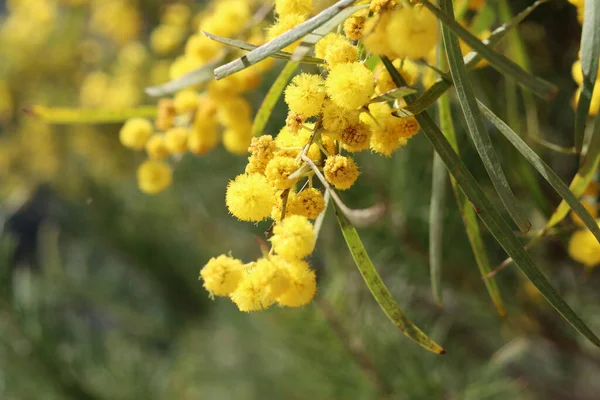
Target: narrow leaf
[
  {"x": 491, "y": 217},
  {"x": 282, "y": 41},
  {"x": 393, "y": 94},
  {"x": 444, "y": 83},
  {"x": 590, "y": 52},
  {"x": 273, "y": 95},
  {"x": 195, "y": 77},
  {"x": 582, "y": 178},
  {"x": 57, "y": 115},
  {"x": 506, "y": 67},
  {"x": 436, "y": 227},
  {"x": 240, "y": 44},
  {"x": 378, "y": 289},
  {"x": 544, "y": 170},
  {"x": 466, "y": 209},
  {"x": 309, "y": 40},
  {"x": 476, "y": 124}
]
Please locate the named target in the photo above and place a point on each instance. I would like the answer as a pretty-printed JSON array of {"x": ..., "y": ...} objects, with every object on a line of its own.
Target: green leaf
[
  {"x": 590, "y": 52},
  {"x": 240, "y": 44},
  {"x": 282, "y": 41},
  {"x": 312, "y": 38},
  {"x": 544, "y": 170},
  {"x": 444, "y": 83},
  {"x": 476, "y": 124},
  {"x": 393, "y": 94},
  {"x": 582, "y": 178},
  {"x": 540, "y": 87},
  {"x": 273, "y": 95},
  {"x": 491, "y": 217},
  {"x": 192, "y": 78},
  {"x": 70, "y": 116},
  {"x": 378, "y": 289},
  {"x": 466, "y": 209},
  {"x": 436, "y": 227}
]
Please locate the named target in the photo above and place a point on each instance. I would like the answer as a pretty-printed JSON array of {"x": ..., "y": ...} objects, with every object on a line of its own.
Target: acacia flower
[
  {"x": 350, "y": 85},
  {"x": 293, "y": 238},
  {"x": 250, "y": 197},
  {"x": 222, "y": 275},
  {"x": 340, "y": 171},
  {"x": 135, "y": 133},
  {"x": 154, "y": 176},
  {"x": 305, "y": 94},
  {"x": 302, "y": 283},
  {"x": 278, "y": 170}
]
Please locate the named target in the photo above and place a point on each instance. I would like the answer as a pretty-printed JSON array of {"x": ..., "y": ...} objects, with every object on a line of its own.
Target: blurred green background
[{"x": 100, "y": 297}]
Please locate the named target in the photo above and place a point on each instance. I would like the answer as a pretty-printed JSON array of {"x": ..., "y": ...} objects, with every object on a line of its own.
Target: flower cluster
[
  {"x": 192, "y": 121},
  {"x": 583, "y": 246},
  {"x": 281, "y": 277}
]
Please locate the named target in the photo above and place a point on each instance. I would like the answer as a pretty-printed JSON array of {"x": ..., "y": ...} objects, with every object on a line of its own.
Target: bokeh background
[{"x": 99, "y": 290}]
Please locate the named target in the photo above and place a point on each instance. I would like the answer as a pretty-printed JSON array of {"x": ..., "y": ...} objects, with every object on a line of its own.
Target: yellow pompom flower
[
  {"x": 591, "y": 207},
  {"x": 236, "y": 139},
  {"x": 264, "y": 283},
  {"x": 379, "y": 6},
  {"x": 176, "y": 139},
  {"x": 293, "y": 238},
  {"x": 354, "y": 26},
  {"x": 262, "y": 149},
  {"x": 234, "y": 111},
  {"x": 308, "y": 203},
  {"x": 302, "y": 7},
  {"x": 135, "y": 133},
  {"x": 156, "y": 147},
  {"x": 222, "y": 275},
  {"x": 414, "y": 31},
  {"x": 375, "y": 37},
  {"x": 584, "y": 248},
  {"x": 302, "y": 285},
  {"x": 286, "y": 139},
  {"x": 164, "y": 39},
  {"x": 186, "y": 101},
  {"x": 336, "y": 119},
  {"x": 356, "y": 137},
  {"x": 203, "y": 138},
  {"x": 305, "y": 94},
  {"x": 350, "y": 85},
  {"x": 385, "y": 141},
  {"x": 154, "y": 176},
  {"x": 285, "y": 23},
  {"x": 341, "y": 171},
  {"x": 323, "y": 45},
  {"x": 278, "y": 170},
  {"x": 407, "y": 70},
  {"x": 201, "y": 48},
  {"x": 340, "y": 53},
  {"x": 250, "y": 197}
]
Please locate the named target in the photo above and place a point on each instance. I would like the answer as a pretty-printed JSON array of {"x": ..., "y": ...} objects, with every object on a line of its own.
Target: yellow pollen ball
[
  {"x": 350, "y": 85},
  {"x": 186, "y": 101},
  {"x": 584, "y": 248},
  {"x": 250, "y": 197},
  {"x": 305, "y": 94},
  {"x": 154, "y": 176},
  {"x": 341, "y": 171},
  {"x": 135, "y": 133},
  {"x": 264, "y": 283},
  {"x": 176, "y": 139},
  {"x": 237, "y": 139},
  {"x": 203, "y": 138},
  {"x": 285, "y": 23},
  {"x": 356, "y": 137},
  {"x": 293, "y": 238},
  {"x": 278, "y": 170},
  {"x": 222, "y": 275},
  {"x": 308, "y": 203},
  {"x": 336, "y": 119},
  {"x": 262, "y": 149},
  {"x": 414, "y": 31},
  {"x": 283, "y": 7},
  {"x": 302, "y": 285},
  {"x": 156, "y": 147},
  {"x": 353, "y": 27}
]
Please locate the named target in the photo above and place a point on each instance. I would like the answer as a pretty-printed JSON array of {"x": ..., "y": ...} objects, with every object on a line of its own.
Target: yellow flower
[
  {"x": 308, "y": 203},
  {"x": 156, "y": 147},
  {"x": 302, "y": 7},
  {"x": 222, "y": 275},
  {"x": 350, "y": 85},
  {"x": 354, "y": 26},
  {"x": 176, "y": 139},
  {"x": 154, "y": 176},
  {"x": 264, "y": 283},
  {"x": 199, "y": 47},
  {"x": 287, "y": 139},
  {"x": 356, "y": 137},
  {"x": 294, "y": 237},
  {"x": 203, "y": 138},
  {"x": 584, "y": 248},
  {"x": 278, "y": 170},
  {"x": 305, "y": 94},
  {"x": 336, "y": 118},
  {"x": 135, "y": 133},
  {"x": 234, "y": 111},
  {"x": 236, "y": 139},
  {"x": 340, "y": 171},
  {"x": 262, "y": 149},
  {"x": 164, "y": 39},
  {"x": 375, "y": 36},
  {"x": 414, "y": 31},
  {"x": 186, "y": 101},
  {"x": 302, "y": 285},
  {"x": 250, "y": 197},
  {"x": 407, "y": 69},
  {"x": 379, "y": 6},
  {"x": 325, "y": 42}
]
